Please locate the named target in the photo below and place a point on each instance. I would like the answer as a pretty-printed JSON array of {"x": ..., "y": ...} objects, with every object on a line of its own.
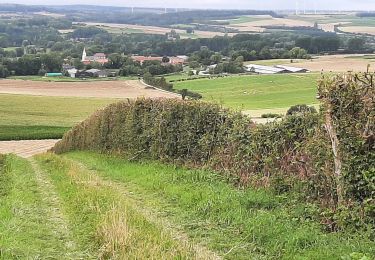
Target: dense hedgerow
[{"x": 298, "y": 152}]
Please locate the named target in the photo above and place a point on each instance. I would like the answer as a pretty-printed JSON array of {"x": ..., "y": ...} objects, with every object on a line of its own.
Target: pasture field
[
  {"x": 86, "y": 205},
  {"x": 256, "y": 92},
  {"x": 36, "y": 117},
  {"x": 46, "y": 110}
]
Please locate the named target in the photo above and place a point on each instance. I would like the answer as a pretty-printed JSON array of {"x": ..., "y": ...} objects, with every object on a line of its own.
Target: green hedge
[{"x": 296, "y": 153}]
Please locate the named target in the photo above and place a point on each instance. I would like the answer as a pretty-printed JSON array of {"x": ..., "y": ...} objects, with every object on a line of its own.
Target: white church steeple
[{"x": 84, "y": 55}]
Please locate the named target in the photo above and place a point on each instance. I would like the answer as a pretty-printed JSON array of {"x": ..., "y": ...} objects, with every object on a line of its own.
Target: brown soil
[
  {"x": 336, "y": 63},
  {"x": 97, "y": 89},
  {"x": 358, "y": 29},
  {"x": 27, "y": 148}
]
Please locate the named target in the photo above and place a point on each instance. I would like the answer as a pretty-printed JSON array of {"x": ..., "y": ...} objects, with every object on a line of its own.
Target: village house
[{"x": 179, "y": 60}]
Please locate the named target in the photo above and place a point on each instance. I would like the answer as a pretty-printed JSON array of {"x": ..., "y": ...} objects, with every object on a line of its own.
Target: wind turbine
[{"x": 297, "y": 7}]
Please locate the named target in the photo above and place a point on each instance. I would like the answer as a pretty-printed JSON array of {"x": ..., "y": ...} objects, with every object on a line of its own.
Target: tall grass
[
  {"x": 106, "y": 223},
  {"x": 238, "y": 224}
]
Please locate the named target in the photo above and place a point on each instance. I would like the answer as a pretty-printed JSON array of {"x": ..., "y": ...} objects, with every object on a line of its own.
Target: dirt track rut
[{"x": 26, "y": 148}]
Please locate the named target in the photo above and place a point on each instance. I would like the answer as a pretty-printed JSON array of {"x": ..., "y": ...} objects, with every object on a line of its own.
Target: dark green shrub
[
  {"x": 271, "y": 115},
  {"x": 300, "y": 109}
]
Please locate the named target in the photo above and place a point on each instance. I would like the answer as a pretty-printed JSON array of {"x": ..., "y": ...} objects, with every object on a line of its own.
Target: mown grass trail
[
  {"x": 32, "y": 226},
  {"x": 84, "y": 205},
  {"x": 237, "y": 224},
  {"x": 109, "y": 224}
]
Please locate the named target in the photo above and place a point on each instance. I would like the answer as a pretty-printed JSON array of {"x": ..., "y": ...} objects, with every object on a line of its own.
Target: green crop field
[
  {"x": 34, "y": 117},
  {"x": 85, "y": 205},
  {"x": 246, "y": 19},
  {"x": 258, "y": 91}
]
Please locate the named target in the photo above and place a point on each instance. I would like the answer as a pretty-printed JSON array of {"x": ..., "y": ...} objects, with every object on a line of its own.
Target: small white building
[
  {"x": 72, "y": 72},
  {"x": 292, "y": 69}
]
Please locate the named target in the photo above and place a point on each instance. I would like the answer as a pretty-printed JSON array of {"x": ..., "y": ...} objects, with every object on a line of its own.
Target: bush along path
[{"x": 327, "y": 158}]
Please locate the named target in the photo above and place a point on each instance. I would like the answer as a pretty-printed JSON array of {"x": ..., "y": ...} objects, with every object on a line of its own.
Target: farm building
[
  {"x": 72, "y": 72},
  {"x": 292, "y": 69},
  {"x": 97, "y": 73},
  {"x": 91, "y": 73},
  {"x": 260, "y": 69}
]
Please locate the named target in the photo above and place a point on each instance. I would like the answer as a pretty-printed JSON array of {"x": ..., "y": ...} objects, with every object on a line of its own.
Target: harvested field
[
  {"x": 98, "y": 89},
  {"x": 358, "y": 29},
  {"x": 335, "y": 63},
  {"x": 26, "y": 148}
]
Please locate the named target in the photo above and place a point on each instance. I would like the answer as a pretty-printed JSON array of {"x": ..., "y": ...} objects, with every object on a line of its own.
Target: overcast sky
[{"x": 231, "y": 4}]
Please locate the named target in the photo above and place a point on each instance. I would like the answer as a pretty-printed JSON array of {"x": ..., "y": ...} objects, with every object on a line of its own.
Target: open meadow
[
  {"x": 41, "y": 117},
  {"x": 256, "y": 92},
  {"x": 46, "y": 110}
]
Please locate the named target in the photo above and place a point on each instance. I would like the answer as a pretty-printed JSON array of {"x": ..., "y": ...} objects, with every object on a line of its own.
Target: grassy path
[
  {"x": 109, "y": 223},
  {"x": 53, "y": 211},
  {"x": 84, "y": 205},
  {"x": 153, "y": 216},
  {"x": 31, "y": 226},
  {"x": 237, "y": 224}
]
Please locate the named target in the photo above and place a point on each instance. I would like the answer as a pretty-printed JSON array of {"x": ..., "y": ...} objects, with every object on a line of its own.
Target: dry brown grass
[{"x": 114, "y": 233}]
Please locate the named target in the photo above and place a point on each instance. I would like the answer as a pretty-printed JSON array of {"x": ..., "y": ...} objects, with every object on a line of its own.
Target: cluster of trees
[
  {"x": 159, "y": 82},
  {"x": 31, "y": 64},
  {"x": 169, "y": 18},
  {"x": 316, "y": 44},
  {"x": 128, "y": 66}
]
